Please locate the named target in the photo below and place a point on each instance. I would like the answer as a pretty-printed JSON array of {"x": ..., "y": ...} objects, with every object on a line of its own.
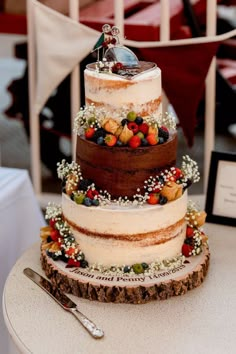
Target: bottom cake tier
[{"x": 132, "y": 288}]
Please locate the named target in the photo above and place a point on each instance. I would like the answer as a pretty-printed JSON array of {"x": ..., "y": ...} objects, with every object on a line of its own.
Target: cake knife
[{"x": 63, "y": 300}]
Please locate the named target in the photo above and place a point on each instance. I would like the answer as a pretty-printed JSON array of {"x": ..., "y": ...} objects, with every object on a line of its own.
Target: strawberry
[
  {"x": 186, "y": 250},
  {"x": 153, "y": 198},
  {"x": 89, "y": 133},
  {"x": 72, "y": 263},
  {"x": 135, "y": 141},
  {"x": 54, "y": 235},
  {"x": 133, "y": 126},
  {"x": 189, "y": 232},
  {"x": 143, "y": 128},
  {"x": 110, "y": 140},
  {"x": 152, "y": 139}
]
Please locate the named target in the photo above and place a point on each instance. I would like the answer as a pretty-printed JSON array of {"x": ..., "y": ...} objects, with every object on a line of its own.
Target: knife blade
[{"x": 63, "y": 300}]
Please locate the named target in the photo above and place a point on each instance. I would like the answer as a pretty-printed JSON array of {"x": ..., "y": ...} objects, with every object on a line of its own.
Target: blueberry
[
  {"x": 139, "y": 120},
  {"x": 63, "y": 257},
  {"x": 144, "y": 142},
  {"x": 49, "y": 254},
  {"x": 49, "y": 239},
  {"x": 162, "y": 200},
  {"x": 144, "y": 265},
  {"x": 127, "y": 269},
  {"x": 161, "y": 140},
  {"x": 83, "y": 264},
  {"x": 100, "y": 132},
  {"x": 95, "y": 202},
  {"x": 124, "y": 121},
  {"x": 119, "y": 143},
  {"x": 100, "y": 140},
  {"x": 55, "y": 257},
  {"x": 88, "y": 202}
]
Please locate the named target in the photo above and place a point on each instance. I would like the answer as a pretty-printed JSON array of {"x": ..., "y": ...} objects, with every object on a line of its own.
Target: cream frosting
[{"x": 90, "y": 225}]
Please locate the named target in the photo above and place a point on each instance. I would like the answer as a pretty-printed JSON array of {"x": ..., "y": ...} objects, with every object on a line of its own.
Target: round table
[{"x": 201, "y": 321}]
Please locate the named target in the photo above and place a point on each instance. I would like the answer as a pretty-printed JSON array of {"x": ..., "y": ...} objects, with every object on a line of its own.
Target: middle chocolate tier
[{"x": 122, "y": 170}]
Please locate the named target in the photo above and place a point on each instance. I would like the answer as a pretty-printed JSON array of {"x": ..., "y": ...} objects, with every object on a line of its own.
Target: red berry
[
  {"x": 152, "y": 139},
  {"x": 52, "y": 222},
  {"x": 70, "y": 251},
  {"x": 91, "y": 193},
  {"x": 54, "y": 235},
  {"x": 135, "y": 141},
  {"x": 133, "y": 126},
  {"x": 177, "y": 173},
  {"x": 153, "y": 198},
  {"x": 89, "y": 133},
  {"x": 110, "y": 140},
  {"x": 119, "y": 66},
  {"x": 143, "y": 128},
  {"x": 186, "y": 250},
  {"x": 72, "y": 263},
  {"x": 189, "y": 232}
]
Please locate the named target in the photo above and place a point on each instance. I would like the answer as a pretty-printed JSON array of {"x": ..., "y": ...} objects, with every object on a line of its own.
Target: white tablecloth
[
  {"x": 202, "y": 321},
  {"x": 20, "y": 222}
]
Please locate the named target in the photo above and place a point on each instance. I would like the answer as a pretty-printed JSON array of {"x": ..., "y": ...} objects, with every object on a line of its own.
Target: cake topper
[{"x": 116, "y": 58}]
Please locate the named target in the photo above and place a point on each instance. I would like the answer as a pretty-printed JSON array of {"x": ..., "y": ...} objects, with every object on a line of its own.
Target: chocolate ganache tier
[{"x": 122, "y": 170}]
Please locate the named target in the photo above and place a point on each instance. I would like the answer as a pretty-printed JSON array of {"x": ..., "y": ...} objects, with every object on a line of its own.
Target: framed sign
[{"x": 221, "y": 191}]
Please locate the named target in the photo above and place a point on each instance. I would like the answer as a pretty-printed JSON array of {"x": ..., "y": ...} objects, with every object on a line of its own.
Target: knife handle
[{"x": 93, "y": 330}]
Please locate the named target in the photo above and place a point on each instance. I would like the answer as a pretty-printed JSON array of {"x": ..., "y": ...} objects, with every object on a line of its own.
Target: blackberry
[
  {"x": 84, "y": 184},
  {"x": 162, "y": 133},
  {"x": 100, "y": 132}
]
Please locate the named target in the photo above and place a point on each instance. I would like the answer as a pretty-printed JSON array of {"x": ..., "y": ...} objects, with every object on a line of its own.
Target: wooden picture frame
[{"x": 221, "y": 192}]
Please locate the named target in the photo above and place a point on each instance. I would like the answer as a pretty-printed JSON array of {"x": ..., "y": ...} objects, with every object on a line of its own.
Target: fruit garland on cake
[{"x": 129, "y": 129}]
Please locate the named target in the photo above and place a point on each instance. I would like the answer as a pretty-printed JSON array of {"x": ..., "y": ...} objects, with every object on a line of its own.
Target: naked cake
[{"x": 125, "y": 226}]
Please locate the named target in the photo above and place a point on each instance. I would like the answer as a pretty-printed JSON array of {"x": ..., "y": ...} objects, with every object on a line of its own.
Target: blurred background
[{"x": 188, "y": 19}]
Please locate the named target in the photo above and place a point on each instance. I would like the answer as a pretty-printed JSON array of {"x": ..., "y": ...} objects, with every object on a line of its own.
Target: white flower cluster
[
  {"x": 89, "y": 116},
  {"x": 168, "y": 120},
  {"x": 167, "y": 264},
  {"x": 53, "y": 211},
  {"x": 190, "y": 169},
  {"x": 64, "y": 169},
  {"x": 192, "y": 206}
]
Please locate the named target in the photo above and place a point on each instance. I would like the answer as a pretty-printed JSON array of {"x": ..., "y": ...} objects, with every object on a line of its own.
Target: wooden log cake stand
[{"x": 135, "y": 289}]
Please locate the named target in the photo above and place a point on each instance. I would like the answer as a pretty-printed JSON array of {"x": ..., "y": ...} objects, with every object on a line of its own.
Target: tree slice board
[{"x": 135, "y": 289}]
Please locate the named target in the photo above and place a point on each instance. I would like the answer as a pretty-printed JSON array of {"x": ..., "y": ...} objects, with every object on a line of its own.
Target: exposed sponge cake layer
[
  {"x": 112, "y": 234},
  {"x": 115, "y": 94}
]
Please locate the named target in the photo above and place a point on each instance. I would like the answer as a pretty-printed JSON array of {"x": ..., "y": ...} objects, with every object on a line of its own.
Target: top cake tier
[
  {"x": 130, "y": 102},
  {"x": 140, "y": 93}
]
